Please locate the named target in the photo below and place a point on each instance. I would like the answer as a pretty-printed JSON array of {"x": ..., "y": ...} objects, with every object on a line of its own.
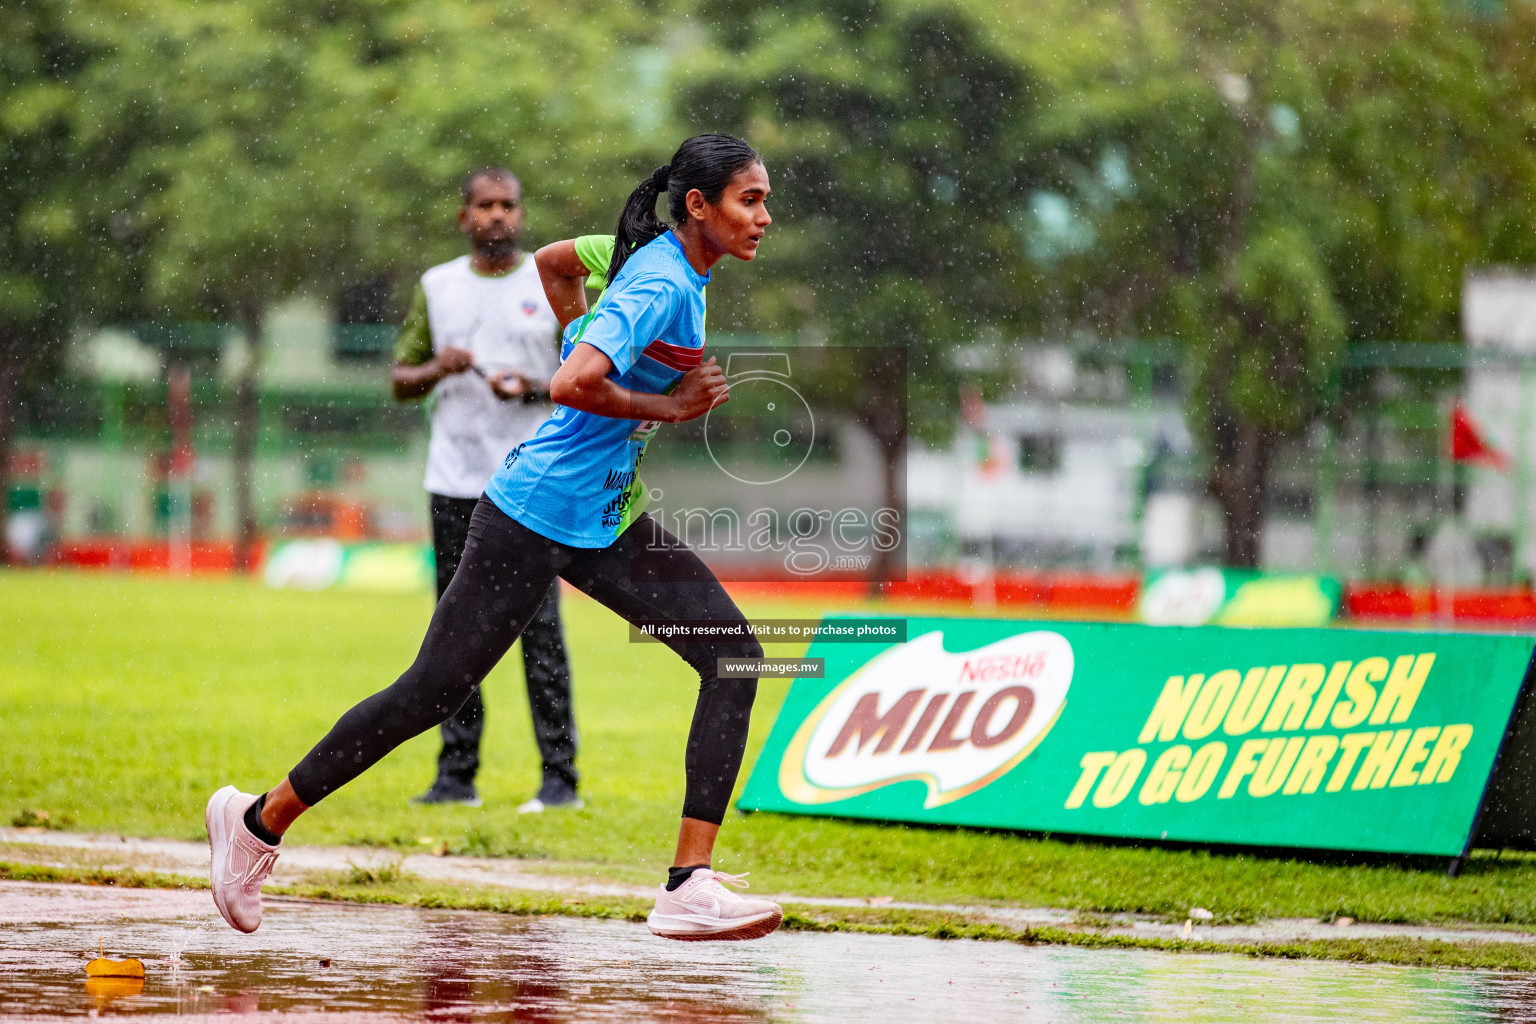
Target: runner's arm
[
  {"x": 582, "y": 383},
  {"x": 564, "y": 277}
]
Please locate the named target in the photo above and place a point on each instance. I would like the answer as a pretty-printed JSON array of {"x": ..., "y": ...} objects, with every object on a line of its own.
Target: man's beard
[{"x": 496, "y": 249}]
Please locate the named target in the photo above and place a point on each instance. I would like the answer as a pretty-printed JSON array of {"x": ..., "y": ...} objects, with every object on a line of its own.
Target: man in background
[{"x": 481, "y": 339}]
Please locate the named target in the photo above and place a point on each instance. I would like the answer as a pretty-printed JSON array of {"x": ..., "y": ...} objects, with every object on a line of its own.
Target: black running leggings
[{"x": 645, "y": 575}]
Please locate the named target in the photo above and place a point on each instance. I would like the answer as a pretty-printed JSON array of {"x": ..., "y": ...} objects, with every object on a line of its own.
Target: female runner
[{"x": 568, "y": 503}]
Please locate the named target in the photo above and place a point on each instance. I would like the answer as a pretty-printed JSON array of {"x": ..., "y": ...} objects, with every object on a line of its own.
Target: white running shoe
[
  {"x": 538, "y": 806},
  {"x": 241, "y": 862},
  {"x": 703, "y": 908}
]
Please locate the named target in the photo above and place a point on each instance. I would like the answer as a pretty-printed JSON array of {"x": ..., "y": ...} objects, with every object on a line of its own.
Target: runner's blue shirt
[{"x": 576, "y": 480}]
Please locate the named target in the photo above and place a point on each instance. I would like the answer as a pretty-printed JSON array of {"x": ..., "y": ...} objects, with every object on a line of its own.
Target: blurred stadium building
[{"x": 336, "y": 455}]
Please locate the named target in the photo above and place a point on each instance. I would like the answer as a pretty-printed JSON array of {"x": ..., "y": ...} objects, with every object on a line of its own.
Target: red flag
[{"x": 1468, "y": 443}]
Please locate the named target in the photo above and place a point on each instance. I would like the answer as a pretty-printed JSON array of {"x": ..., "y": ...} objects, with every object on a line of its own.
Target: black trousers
[
  {"x": 647, "y": 575},
  {"x": 546, "y": 670}
]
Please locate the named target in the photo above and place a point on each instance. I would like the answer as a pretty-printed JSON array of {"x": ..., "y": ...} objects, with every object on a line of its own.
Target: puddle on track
[{"x": 446, "y": 966}]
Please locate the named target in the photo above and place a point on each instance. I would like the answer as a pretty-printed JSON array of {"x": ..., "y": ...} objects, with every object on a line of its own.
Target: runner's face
[
  {"x": 493, "y": 215},
  {"x": 736, "y": 224}
]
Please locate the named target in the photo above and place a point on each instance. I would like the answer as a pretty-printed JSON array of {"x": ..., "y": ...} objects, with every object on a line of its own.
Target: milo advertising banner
[
  {"x": 1237, "y": 597},
  {"x": 1283, "y": 737}
]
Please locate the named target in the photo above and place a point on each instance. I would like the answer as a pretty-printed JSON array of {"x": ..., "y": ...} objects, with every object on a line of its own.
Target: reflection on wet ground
[{"x": 345, "y": 963}]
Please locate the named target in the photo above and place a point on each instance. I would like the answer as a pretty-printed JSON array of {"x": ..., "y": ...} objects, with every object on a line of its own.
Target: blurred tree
[
  {"x": 1230, "y": 229},
  {"x": 292, "y": 147},
  {"x": 898, "y": 140},
  {"x": 59, "y": 263},
  {"x": 1264, "y": 181},
  {"x": 1269, "y": 182},
  {"x": 35, "y": 90}
]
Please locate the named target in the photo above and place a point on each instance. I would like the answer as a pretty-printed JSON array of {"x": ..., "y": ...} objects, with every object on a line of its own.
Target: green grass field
[{"x": 125, "y": 701}]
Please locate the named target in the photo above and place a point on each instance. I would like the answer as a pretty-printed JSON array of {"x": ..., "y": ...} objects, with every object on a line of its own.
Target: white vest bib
[{"x": 506, "y": 323}]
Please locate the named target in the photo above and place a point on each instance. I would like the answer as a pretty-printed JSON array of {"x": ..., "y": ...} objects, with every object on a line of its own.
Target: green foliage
[
  {"x": 1284, "y": 301},
  {"x": 896, "y": 136},
  {"x": 384, "y": 874},
  {"x": 1266, "y": 182},
  {"x": 1298, "y": 176},
  {"x": 44, "y": 217},
  {"x": 279, "y": 147},
  {"x": 32, "y": 817}
]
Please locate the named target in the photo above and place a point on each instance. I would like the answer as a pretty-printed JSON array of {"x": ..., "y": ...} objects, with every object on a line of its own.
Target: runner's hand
[{"x": 700, "y": 390}]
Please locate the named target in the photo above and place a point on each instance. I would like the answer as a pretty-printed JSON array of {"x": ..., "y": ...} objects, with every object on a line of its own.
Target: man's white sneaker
[
  {"x": 539, "y": 806},
  {"x": 240, "y": 863},
  {"x": 703, "y": 908}
]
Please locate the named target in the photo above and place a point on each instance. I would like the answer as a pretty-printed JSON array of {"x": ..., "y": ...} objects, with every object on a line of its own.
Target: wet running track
[{"x": 314, "y": 962}]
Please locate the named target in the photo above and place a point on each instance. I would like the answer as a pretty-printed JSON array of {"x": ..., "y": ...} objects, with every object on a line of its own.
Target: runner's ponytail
[{"x": 704, "y": 162}]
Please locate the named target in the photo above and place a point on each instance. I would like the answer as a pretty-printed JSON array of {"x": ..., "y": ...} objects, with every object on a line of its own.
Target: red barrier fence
[
  {"x": 1078, "y": 595},
  {"x": 1397, "y": 601},
  {"x": 1072, "y": 595},
  {"x": 143, "y": 555}
]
